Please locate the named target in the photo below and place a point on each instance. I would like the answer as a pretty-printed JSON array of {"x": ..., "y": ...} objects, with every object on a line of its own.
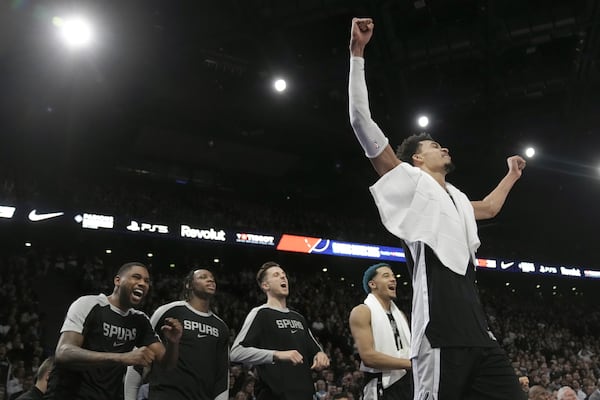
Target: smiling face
[
  {"x": 432, "y": 157},
  {"x": 275, "y": 283},
  {"x": 132, "y": 286},
  {"x": 383, "y": 283}
]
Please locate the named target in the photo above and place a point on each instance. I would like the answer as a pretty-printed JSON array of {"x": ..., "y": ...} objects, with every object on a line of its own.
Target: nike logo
[
  {"x": 117, "y": 344},
  {"x": 34, "y": 216},
  {"x": 294, "y": 330},
  {"x": 201, "y": 336},
  {"x": 505, "y": 265}
]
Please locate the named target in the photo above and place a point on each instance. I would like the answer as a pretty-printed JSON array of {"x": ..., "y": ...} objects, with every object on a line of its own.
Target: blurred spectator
[
  {"x": 36, "y": 392},
  {"x": 591, "y": 390},
  {"x": 321, "y": 389},
  {"x": 566, "y": 393},
  {"x": 538, "y": 392}
]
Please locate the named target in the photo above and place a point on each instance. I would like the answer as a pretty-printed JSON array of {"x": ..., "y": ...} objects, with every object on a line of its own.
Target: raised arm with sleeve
[{"x": 368, "y": 133}]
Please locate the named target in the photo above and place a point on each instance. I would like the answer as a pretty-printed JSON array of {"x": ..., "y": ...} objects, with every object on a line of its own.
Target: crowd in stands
[
  {"x": 338, "y": 218},
  {"x": 552, "y": 340}
]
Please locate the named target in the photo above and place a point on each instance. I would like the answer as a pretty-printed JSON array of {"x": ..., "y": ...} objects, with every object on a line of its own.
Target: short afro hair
[{"x": 410, "y": 145}]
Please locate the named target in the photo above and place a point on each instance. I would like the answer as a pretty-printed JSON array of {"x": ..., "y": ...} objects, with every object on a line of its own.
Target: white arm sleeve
[
  {"x": 133, "y": 381},
  {"x": 370, "y": 136},
  {"x": 249, "y": 355}
]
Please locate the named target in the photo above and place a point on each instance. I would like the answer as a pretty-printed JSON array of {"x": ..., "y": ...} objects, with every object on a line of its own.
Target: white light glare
[
  {"x": 423, "y": 121},
  {"x": 324, "y": 269},
  {"x": 108, "y": 251},
  {"x": 76, "y": 31},
  {"x": 27, "y": 244},
  {"x": 530, "y": 152},
  {"x": 150, "y": 255},
  {"x": 280, "y": 85}
]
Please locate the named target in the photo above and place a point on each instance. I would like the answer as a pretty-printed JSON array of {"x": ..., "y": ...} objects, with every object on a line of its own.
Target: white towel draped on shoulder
[
  {"x": 384, "y": 340},
  {"x": 414, "y": 207}
]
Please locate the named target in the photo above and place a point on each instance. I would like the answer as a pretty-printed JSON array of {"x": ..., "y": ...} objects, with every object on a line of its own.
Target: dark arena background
[{"x": 162, "y": 140}]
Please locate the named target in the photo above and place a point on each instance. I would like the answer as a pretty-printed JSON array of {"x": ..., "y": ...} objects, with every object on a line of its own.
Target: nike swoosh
[
  {"x": 294, "y": 330},
  {"x": 504, "y": 265},
  {"x": 34, "y": 216},
  {"x": 117, "y": 344},
  {"x": 201, "y": 336}
]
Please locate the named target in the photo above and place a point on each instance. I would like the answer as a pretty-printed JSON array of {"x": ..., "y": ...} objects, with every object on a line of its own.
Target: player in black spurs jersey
[
  {"x": 102, "y": 335},
  {"x": 454, "y": 356},
  {"x": 202, "y": 369},
  {"x": 278, "y": 341}
]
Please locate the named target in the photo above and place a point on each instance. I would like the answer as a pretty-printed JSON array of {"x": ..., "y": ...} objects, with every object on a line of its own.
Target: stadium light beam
[
  {"x": 530, "y": 152},
  {"x": 280, "y": 85},
  {"x": 76, "y": 32},
  {"x": 423, "y": 121}
]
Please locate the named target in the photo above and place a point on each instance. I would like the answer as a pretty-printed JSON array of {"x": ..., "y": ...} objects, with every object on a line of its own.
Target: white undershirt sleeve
[{"x": 370, "y": 136}]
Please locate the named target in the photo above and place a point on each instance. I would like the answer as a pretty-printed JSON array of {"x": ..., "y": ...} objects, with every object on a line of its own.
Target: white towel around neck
[
  {"x": 384, "y": 340},
  {"x": 414, "y": 207}
]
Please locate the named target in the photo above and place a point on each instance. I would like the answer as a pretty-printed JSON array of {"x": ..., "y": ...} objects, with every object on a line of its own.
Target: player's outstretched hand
[
  {"x": 361, "y": 32},
  {"x": 516, "y": 164}
]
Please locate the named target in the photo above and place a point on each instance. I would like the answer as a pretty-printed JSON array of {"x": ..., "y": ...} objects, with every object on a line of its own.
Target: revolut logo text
[{"x": 202, "y": 234}]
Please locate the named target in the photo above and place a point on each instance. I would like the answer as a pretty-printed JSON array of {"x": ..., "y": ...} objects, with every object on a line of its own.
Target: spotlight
[
  {"x": 423, "y": 121},
  {"x": 280, "y": 85},
  {"x": 75, "y": 31},
  {"x": 530, "y": 152}
]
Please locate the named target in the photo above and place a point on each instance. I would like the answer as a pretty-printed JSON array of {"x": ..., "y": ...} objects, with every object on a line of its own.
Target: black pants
[
  {"x": 465, "y": 373},
  {"x": 399, "y": 390}
]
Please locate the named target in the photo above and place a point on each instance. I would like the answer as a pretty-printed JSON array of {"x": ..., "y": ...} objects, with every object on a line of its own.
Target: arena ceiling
[{"x": 183, "y": 89}]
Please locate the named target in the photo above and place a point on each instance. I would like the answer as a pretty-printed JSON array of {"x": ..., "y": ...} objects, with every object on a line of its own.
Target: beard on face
[
  {"x": 203, "y": 294},
  {"x": 449, "y": 167}
]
